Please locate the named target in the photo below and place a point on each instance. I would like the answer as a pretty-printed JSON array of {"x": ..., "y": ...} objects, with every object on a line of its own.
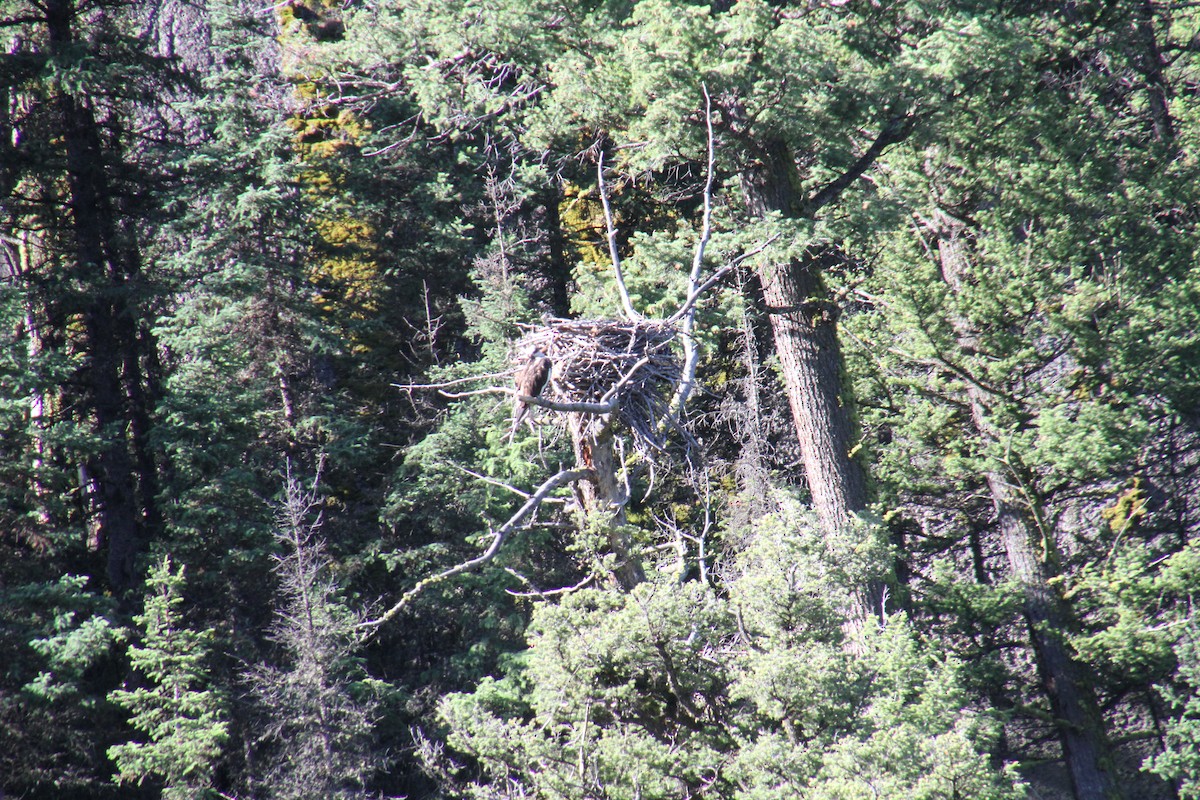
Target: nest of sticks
[{"x": 590, "y": 357}]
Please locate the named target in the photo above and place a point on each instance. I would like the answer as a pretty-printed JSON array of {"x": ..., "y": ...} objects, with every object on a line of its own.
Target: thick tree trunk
[
  {"x": 1049, "y": 618},
  {"x": 109, "y": 323},
  {"x": 804, "y": 323},
  {"x": 1065, "y": 681},
  {"x": 119, "y": 513},
  {"x": 604, "y": 498}
]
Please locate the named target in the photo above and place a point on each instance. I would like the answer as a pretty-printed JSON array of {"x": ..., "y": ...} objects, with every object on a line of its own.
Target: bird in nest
[{"x": 530, "y": 382}]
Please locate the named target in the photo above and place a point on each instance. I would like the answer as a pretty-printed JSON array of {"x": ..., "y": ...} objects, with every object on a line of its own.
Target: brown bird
[{"x": 530, "y": 381}]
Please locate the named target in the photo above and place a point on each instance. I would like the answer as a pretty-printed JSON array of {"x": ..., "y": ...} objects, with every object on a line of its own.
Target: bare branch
[
  {"x": 544, "y": 593},
  {"x": 492, "y": 481},
  {"x": 410, "y": 387},
  {"x": 687, "y": 312},
  {"x": 626, "y": 304},
  {"x": 606, "y": 405},
  {"x": 501, "y": 484},
  {"x": 476, "y": 392},
  {"x": 431, "y": 326},
  {"x": 498, "y": 539},
  {"x": 706, "y": 223},
  {"x": 685, "y": 316},
  {"x": 690, "y": 303},
  {"x": 894, "y": 130}
]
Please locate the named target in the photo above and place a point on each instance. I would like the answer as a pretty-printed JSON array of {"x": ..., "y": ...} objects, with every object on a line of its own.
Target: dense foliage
[{"x": 915, "y": 521}]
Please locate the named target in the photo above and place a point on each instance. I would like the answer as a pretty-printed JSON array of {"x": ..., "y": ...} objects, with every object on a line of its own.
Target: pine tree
[
  {"x": 1000, "y": 355},
  {"x": 84, "y": 102},
  {"x": 1180, "y": 760},
  {"x": 64, "y": 642},
  {"x": 743, "y": 690}
]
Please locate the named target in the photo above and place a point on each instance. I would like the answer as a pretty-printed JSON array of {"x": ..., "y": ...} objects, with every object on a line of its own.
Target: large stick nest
[{"x": 590, "y": 357}]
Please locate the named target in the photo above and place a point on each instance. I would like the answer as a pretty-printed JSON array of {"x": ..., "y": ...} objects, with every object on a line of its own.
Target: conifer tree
[
  {"x": 1180, "y": 760},
  {"x": 84, "y": 97},
  {"x": 179, "y": 713},
  {"x": 743, "y": 690},
  {"x": 63, "y": 642},
  {"x": 1007, "y": 350},
  {"x": 317, "y": 707}
]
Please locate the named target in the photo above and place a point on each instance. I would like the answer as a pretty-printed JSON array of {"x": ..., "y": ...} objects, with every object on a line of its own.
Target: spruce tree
[
  {"x": 179, "y": 714},
  {"x": 317, "y": 708}
]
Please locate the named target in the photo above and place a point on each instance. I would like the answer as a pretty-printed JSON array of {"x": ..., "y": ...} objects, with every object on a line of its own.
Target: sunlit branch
[{"x": 626, "y": 304}]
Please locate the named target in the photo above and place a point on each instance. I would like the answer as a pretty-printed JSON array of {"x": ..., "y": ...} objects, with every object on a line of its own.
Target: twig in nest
[{"x": 609, "y": 367}]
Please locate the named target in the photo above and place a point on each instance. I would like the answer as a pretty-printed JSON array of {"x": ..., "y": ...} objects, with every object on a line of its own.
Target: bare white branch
[
  {"x": 712, "y": 280},
  {"x": 686, "y": 315},
  {"x": 706, "y": 223},
  {"x": 412, "y": 387},
  {"x": 606, "y": 405},
  {"x": 544, "y": 593},
  {"x": 626, "y": 304},
  {"x": 492, "y": 481}
]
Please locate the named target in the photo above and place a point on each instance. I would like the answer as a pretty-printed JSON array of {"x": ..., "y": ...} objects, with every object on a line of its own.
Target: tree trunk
[
  {"x": 103, "y": 304},
  {"x": 604, "y": 497},
  {"x": 804, "y": 323},
  {"x": 1049, "y": 618},
  {"x": 141, "y": 395},
  {"x": 18, "y": 264},
  {"x": 558, "y": 266}
]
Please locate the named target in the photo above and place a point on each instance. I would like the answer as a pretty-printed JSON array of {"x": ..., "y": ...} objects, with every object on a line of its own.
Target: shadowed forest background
[{"x": 907, "y": 508}]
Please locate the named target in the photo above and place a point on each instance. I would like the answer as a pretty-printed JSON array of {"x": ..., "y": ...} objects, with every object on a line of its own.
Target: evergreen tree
[
  {"x": 64, "y": 643},
  {"x": 1180, "y": 760},
  {"x": 1002, "y": 345},
  {"x": 685, "y": 691},
  {"x": 225, "y": 233},
  {"x": 179, "y": 712},
  {"x": 80, "y": 86},
  {"x": 317, "y": 707}
]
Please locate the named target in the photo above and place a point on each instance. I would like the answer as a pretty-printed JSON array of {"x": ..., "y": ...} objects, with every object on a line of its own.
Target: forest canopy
[{"x": 615, "y": 399}]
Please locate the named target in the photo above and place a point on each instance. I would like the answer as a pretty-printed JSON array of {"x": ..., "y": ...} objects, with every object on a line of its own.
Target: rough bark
[
  {"x": 804, "y": 324},
  {"x": 1048, "y": 617}
]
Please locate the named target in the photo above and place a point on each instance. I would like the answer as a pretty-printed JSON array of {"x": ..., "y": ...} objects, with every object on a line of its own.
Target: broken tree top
[{"x": 590, "y": 357}]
